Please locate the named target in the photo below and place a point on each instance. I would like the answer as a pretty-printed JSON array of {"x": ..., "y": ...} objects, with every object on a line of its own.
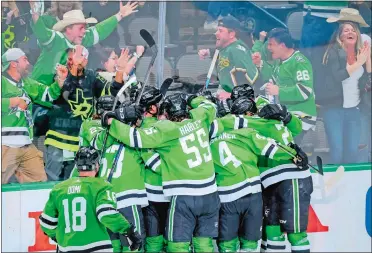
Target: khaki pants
[{"x": 26, "y": 163}]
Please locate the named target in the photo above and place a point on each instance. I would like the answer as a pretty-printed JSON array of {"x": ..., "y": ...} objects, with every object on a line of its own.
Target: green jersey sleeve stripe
[
  {"x": 135, "y": 138},
  {"x": 44, "y": 223},
  {"x": 50, "y": 40},
  {"x": 154, "y": 162},
  {"x": 103, "y": 213},
  {"x": 213, "y": 130},
  {"x": 95, "y": 35},
  {"x": 305, "y": 91},
  {"x": 49, "y": 218}
]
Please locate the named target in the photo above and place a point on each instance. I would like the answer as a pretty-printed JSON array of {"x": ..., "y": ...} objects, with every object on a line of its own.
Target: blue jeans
[{"x": 343, "y": 129}]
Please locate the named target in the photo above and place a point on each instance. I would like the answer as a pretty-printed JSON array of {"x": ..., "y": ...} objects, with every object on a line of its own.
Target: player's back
[
  {"x": 235, "y": 163},
  {"x": 188, "y": 161},
  {"x": 79, "y": 227}
]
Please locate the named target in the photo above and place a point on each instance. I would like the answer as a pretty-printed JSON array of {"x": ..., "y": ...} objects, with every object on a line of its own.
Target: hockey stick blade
[
  {"x": 146, "y": 36},
  {"x": 165, "y": 86},
  {"x": 319, "y": 163},
  {"x": 150, "y": 41}
]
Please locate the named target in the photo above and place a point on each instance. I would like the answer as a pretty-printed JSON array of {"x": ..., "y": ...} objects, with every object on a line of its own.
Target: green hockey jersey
[
  {"x": 183, "y": 147},
  {"x": 271, "y": 171},
  {"x": 16, "y": 127},
  {"x": 54, "y": 46},
  {"x": 294, "y": 76},
  {"x": 78, "y": 213},
  {"x": 128, "y": 176},
  {"x": 235, "y": 155},
  {"x": 235, "y": 66},
  {"x": 153, "y": 163},
  {"x": 268, "y": 64}
]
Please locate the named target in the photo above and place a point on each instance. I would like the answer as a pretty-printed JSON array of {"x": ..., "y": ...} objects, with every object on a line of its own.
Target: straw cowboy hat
[
  {"x": 71, "y": 18},
  {"x": 349, "y": 14}
]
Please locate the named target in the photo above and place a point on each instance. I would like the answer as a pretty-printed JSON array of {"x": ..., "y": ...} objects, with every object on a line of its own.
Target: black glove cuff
[
  {"x": 190, "y": 98},
  {"x": 287, "y": 119}
]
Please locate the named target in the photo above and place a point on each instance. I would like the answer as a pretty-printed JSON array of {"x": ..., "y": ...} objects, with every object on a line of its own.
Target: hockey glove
[
  {"x": 300, "y": 159},
  {"x": 136, "y": 239},
  {"x": 223, "y": 107},
  {"x": 128, "y": 114},
  {"x": 277, "y": 112},
  {"x": 208, "y": 95},
  {"x": 106, "y": 116},
  {"x": 188, "y": 98}
]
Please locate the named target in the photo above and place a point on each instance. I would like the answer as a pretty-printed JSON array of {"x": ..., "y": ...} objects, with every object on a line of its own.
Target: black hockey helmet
[
  {"x": 105, "y": 103},
  {"x": 150, "y": 96},
  {"x": 223, "y": 107},
  {"x": 86, "y": 159},
  {"x": 243, "y": 90},
  {"x": 243, "y": 105},
  {"x": 175, "y": 106}
]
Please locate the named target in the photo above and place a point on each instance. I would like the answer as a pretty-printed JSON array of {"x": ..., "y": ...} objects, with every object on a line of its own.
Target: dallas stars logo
[{"x": 82, "y": 106}]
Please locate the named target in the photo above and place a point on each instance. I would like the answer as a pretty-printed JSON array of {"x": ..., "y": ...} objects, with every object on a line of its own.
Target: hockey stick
[
  {"x": 319, "y": 170},
  {"x": 118, "y": 95},
  {"x": 146, "y": 36},
  {"x": 336, "y": 177},
  {"x": 116, "y": 159},
  {"x": 165, "y": 86},
  {"x": 210, "y": 71}
]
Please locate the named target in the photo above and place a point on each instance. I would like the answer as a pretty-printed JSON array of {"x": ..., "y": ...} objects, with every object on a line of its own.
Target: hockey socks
[
  {"x": 247, "y": 245},
  {"x": 275, "y": 240},
  {"x": 178, "y": 246},
  {"x": 154, "y": 244},
  {"x": 202, "y": 244},
  {"x": 299, "y": 242},
  {"x": 229, "y": 246}
]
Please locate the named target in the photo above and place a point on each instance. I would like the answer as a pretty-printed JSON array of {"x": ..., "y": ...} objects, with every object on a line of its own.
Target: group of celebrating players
[{"x": 175, "y": 172}]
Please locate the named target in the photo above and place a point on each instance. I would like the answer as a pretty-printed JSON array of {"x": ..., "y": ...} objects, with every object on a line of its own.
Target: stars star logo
[{"x": 82, "y": 106}]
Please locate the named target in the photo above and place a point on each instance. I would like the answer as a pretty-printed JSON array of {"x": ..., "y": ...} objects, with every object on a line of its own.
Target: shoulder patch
[
  {"x": 240, "y": 47},
  {"x": 300, "y": 58}
]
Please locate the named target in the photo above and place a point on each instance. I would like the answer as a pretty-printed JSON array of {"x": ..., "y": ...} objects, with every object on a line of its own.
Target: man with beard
[
  {"x": 235, "y": 64},
  {"x": 19, "y": 155}
]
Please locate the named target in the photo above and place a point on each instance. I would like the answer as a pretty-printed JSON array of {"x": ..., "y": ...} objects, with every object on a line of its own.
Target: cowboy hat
[
  {"x": 71, "y": 18},
  {"x": 349, "y": 14}
]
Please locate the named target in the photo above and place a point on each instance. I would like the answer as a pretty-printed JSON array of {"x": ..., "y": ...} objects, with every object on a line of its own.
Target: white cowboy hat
[
  {"x": 349, "y": 14},
  {"x": 71, "y": 18}
]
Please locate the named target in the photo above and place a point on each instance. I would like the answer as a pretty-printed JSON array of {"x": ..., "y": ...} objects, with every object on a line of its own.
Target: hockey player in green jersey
[
  {"x": 19, "y": 93},
  {"x": 188, "y": 172},
  {"x": 79, "y": 211},
  {"x": 235, "y": 155},
  {"x": 287, "y": 189},
  {"x": 293, "y": 79},
  {"x": 155, "y": 213},
  {"x": 128, "y": 176}
]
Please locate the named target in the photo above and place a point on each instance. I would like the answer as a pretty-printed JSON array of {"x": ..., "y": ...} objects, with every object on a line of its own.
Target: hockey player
[
  {"x": 188, "y": 172},
  {"x": 292, "y": 79},
  {"x": 156, "y": 212},
  {"x": 287, "y": 188},
  {"x": 128, "y": 176},
  {"x": 235, "y": 155},
  {"x": 79, "y": 210}
]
